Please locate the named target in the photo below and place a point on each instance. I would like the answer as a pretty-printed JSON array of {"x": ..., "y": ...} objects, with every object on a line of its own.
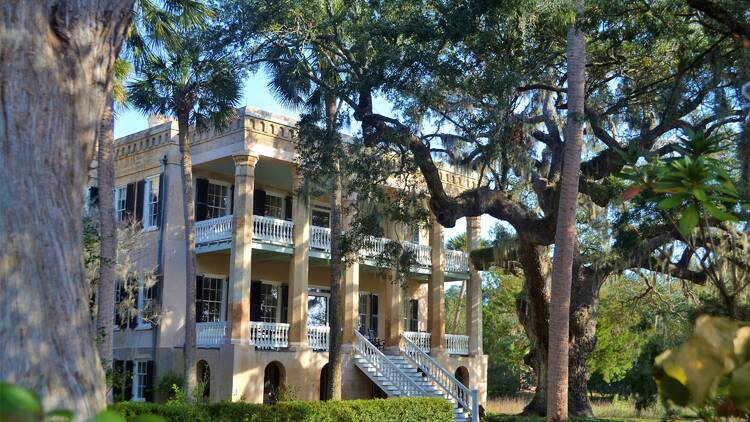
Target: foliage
[
  {"x": 505, "y": 342},
  {"x": 398, "y": 409},
  {"x": 164, "y": 385},
  {"x": 18, "y": 404},
  {"x": 711, "y": 368}
]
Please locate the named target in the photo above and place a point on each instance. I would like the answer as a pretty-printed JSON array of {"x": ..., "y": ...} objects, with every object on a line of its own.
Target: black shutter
[
  {"x": 201, "y": 199},
  {"x": 120, "y": 292},
  {"x": 414, "y": 320},
  {"x": 284, "y": 303},
  {"x": 255, "y": 300},
  {"x": 129, "y": 202},
  {"x": 157, "y": 217},
  {"x": 118, "y": 366},
  {"x": 128, "y": 389},
  {"x": 148, "y": 388},
  {"x": 93, "y": 196},
  {"x": 288, "y": 208},
  {"x": 231, "y": 199},
  {"x": 140, "y": 190},
  {"x": 199, "y": 298},
  {"x": 259, "y": 202},
  {"x": 374, "y": 314},
  {"x": 133, "y": 287}
]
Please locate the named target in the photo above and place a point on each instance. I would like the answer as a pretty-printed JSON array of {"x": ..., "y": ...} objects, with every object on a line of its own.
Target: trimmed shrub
[{"x": 377, "y": 410}]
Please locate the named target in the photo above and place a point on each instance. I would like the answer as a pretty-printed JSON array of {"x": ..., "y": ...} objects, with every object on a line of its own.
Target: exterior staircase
[{"x": 407, "y": 375}]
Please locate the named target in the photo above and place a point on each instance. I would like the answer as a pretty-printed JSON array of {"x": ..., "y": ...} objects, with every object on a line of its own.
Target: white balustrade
[
  {"x": 269, "y": 335},
  {"x": 210, "y": 334},
  {"x": 374, "y": 246},
  {"x": 405, "y": 385},
  {"x": 320, "y": 238},
  {"x": 317, "y": 337},
  {"x": 214, "y": 230},
  {"x": 422, "y": 253},
  {"x": 274, "y": 230},
  {"x": 456, "y": 261},
  {"x": 421, "y": 339},
  {"x": 457, "y": 344},
  {"x": 465, "y": 397}
]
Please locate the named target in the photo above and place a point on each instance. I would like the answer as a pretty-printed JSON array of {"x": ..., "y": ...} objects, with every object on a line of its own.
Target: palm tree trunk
[
  {"x": 189, "y": 353},
  {"x": 565, "y": 236},
  {"x": 457, "y": 313},
  {"x": 105, "y": 174},
  {"x": 336, "y": 311},
  {"x": 54, "y": 80}
]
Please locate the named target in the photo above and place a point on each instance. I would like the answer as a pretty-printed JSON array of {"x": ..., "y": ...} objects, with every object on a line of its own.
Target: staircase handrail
[
  {"x": 381, "y": 363},
  {"x": 464, "y": 396}
]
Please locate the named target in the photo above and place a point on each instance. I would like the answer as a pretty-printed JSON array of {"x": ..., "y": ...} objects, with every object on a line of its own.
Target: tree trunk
[
  {"x": 189, "y": 353},
  {"x": 108, "y": 247},
  {"x": 584, "y": 302},
  {"x": 336, "y": 311},
  {"x": 565, "y": 235},
  {"x": 457, "y": 313},
  {"x": 56, "y": 61},
  {"x": 532, "y": 307}
]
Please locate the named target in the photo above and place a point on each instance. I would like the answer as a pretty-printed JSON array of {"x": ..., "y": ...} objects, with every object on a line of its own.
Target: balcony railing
[
  {"x": 457, "y": 344},
  {"x": 273, "y": 230},
  {"x": 210, "y": 334},
  {"x": 280, "y": 232},
  {"x": 456, "y": 261},
  {"x": 421, "y": 339},
  {"x": 317, "y": 337},
  {"x": 269, "y": 335},
  {"x": 320, "y": 238},
  {"x": 421, "y": 253},
  {"x": 214, "y": 230}
]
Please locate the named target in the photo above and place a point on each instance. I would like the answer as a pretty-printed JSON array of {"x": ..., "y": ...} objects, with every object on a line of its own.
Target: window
[
  {"x": 413, "y": 315},
  {"x": 270, "y": 298},
  {"x": 411, "y": 233},
  {"x": 140, "y": 380},
  {"x": 145, "y": 305},
  {"x": 321, "y": 217},
  {"x": 368, "y": 313},
  {"x": 217, "y": 201},
  {"x": 151, "y": 203},
  {"x": 317, "y": 307},
  {"x": 210, "y": 299},
  {"x": 274, "y": 206},
  {"x": 121, "y": 194}
]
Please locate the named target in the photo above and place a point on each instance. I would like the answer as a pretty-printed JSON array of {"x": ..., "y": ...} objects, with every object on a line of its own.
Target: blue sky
[{"x": 256, "y": 94}]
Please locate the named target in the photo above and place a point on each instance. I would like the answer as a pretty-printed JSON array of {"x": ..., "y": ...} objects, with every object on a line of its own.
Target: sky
[{"x": 256, "y": 94}]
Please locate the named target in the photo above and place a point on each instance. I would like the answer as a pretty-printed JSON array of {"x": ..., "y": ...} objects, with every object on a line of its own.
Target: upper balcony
[{"x": 276, "y": 234}]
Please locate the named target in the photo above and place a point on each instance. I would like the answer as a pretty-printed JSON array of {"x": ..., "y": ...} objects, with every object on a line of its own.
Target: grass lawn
[{"x": 505, "y": 409}]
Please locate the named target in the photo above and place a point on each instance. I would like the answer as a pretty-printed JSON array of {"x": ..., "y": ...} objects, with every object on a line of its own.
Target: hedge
[{"x": 376, "y": 410}]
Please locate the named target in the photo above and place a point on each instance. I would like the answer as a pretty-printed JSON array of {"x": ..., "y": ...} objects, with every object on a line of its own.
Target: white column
[
  {"x": 435, "y": 293},
  {"x": 474, "y": 291},
  {"x": 242, "y": 247},
  {"x": 299, "y": 266}
]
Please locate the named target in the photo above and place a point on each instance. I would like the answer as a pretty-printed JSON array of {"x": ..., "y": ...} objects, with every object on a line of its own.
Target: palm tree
[
  {"x": 565, "y": 235},
  {"x": 197, "y": 86},
  {"x": 153, "y": 27}
]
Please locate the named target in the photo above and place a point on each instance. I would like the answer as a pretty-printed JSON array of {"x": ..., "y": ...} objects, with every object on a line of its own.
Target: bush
[
  {"x": 400, "y": 409},
  {"x": 165, "y": 385}
]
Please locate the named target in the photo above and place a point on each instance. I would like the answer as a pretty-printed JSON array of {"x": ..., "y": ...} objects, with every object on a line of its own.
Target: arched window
[{"x": 273, "y": 379}]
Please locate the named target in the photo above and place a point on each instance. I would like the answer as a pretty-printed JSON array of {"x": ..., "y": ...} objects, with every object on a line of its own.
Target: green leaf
[
  {"x": 670, "y": 202},
  {"x": 700, "y": 194},
  {"x": 688, "y": 220},
  {"x": 107, "y": 416},
  {"x": 718, "y": 213},
  {"x": 17, "y": 403}
]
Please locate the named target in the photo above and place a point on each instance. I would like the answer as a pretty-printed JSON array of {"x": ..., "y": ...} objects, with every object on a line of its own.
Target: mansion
[{"x": 263, "y": 286}]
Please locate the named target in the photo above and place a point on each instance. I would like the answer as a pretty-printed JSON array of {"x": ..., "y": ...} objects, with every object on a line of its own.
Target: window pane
[
  {"x": 317, "y": 310},
  {"x": 217, "y": 201},
  {"x": 151, "y": 202},
  {"x": 274, "y": 206},
  {"x": 269, "y": 302},
  {"x": 211, "y": 299},
  {"x": 321, "y": 218}
]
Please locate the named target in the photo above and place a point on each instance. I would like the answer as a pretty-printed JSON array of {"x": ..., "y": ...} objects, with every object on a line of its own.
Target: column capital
[{"x": 245, "y": 158}]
